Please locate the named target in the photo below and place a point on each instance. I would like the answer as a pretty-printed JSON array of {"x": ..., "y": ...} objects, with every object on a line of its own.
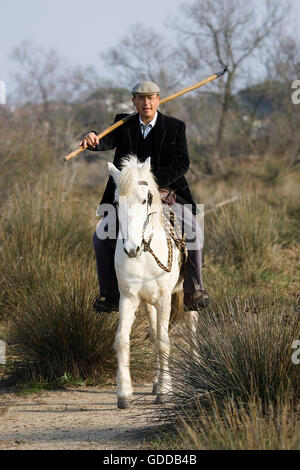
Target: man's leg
[
  {"x": 104, "y": 248},
  {"x": 104, "y": 253},
  {"x": 194, "y": 293}
]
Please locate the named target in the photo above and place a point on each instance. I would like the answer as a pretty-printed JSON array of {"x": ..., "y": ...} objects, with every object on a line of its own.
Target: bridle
[
  {"x": 146, "y": 244},
  {"x": 149, "y": 203}
]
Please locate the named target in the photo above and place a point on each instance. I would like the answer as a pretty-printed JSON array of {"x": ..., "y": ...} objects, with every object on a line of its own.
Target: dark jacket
[{"x": 170, "y": 159}]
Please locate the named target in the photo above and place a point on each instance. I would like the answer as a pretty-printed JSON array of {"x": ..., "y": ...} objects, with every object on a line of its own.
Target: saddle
[{"x": 167, "y": 195}]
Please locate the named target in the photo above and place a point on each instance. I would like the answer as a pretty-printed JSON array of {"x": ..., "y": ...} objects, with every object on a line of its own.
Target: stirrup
[
  {"x": 105, "y": 304},
  {"x": 199, "y": 300}
]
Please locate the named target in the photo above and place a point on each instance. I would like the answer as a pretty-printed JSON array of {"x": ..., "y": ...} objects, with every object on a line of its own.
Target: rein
[{"x": 170, "y": 226}]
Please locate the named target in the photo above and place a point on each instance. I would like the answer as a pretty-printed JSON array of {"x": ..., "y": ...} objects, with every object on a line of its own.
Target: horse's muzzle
[{"x": 132, "y": 253}]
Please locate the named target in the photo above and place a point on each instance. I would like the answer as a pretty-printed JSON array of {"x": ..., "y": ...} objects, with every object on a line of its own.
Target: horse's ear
[{"x": 113, "y": 171}]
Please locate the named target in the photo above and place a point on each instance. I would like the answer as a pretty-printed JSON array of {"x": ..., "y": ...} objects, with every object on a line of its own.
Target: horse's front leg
[
  {"x": 164, "y": 385},
  {"x": 127, "y": 309},
  {"x": 152, "y": 318}
]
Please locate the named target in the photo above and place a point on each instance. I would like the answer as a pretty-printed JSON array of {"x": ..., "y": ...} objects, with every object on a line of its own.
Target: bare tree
[
  {"x": 228, "y": 33},
  {"x": 42, "y": 76},
  {"x": 283, "y": 69},
  {"x": 37, "y": 74},
  {"x": 50, "y": 85},
  {"x": 144, "y": 55}
]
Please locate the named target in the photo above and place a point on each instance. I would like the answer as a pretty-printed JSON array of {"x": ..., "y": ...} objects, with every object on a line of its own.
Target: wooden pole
[{"x": 163, "y": 101}]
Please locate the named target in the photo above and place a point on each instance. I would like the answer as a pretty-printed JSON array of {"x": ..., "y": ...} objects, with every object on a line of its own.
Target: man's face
[{"x": 146, "y": 106}]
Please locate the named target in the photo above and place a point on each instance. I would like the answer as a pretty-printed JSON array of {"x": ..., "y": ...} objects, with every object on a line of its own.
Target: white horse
[{"x": 140, "y": 278}]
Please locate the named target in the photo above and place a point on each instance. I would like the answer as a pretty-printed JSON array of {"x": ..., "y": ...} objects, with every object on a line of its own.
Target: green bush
[{"x": 53, "y": 326}]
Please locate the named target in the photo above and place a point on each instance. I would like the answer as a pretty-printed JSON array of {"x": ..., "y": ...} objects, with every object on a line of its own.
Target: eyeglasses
[{"x": 150, "y": 98}]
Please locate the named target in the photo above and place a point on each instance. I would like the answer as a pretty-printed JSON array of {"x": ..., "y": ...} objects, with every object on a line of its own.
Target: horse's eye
[{"x": 144, "y": 201}]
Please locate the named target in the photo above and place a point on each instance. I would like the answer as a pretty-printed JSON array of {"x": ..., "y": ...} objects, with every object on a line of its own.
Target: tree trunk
[{"x": 224, "y": 115}]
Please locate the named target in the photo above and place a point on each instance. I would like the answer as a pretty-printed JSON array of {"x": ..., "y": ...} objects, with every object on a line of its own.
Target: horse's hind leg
[
  {"x": 191, "y": 319},
  {"x": 152, "y": 318},
  {"x": 127, "y": 310}
]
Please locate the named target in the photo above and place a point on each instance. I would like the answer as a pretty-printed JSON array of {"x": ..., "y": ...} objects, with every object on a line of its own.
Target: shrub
[
  {"x": 54, "y": 328},
  {"x": 243, "y": 427},
  {"x": 243, "y": 351},
  {"x": 48, "y": 282}
]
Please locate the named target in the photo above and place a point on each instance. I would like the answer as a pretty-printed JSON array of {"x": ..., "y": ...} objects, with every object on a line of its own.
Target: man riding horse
[{"x": 163, "y": 138}]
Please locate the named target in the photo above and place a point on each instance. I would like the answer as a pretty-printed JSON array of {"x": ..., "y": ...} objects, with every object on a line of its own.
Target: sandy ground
[{"x": 85, "y": 418}]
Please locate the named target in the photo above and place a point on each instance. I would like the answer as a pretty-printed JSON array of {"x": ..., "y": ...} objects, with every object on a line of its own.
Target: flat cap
[{"x": 145, "y": 88}]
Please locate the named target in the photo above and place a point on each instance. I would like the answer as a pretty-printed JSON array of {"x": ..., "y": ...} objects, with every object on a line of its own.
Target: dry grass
[
  {"x": 48, "y": 282},
  {"x": 243, "y": 427},
  {"x": 242, "y": 391}
]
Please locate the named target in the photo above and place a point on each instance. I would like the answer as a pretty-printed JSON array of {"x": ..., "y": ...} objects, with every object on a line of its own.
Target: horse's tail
[{"x": 177, "y": 308}]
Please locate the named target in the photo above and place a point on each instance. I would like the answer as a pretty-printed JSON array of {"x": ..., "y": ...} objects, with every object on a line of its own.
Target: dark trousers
[{"x": 105, "y": 249}]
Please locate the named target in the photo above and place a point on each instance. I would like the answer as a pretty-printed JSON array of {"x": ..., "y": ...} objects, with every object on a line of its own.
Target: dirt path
[{"x": 75, "y": 418}]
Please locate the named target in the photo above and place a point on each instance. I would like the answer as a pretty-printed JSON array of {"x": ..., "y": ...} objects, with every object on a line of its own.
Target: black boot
[
  {"x": 198, "y": 300},
  {"x": 106, "y": 304}
]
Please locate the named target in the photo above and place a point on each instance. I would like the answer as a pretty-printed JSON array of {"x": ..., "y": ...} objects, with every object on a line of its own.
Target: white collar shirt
[{"x": 146, "y": 128}]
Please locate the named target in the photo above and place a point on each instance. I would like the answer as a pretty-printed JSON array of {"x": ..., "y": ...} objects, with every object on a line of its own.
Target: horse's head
[{"x": 135, "y": 188}]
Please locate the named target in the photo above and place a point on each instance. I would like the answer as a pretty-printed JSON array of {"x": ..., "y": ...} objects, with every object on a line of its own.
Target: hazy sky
[{"x": 80, "y": 29}]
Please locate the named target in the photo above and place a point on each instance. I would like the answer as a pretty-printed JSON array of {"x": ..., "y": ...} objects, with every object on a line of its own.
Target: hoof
[
  {"x": 124, "y": 403},
  {"x": 161, "y": 399},
  {"x": 155, "y": 389}
]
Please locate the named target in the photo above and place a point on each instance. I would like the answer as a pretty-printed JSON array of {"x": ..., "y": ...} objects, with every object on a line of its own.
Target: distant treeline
[{"x": 262, "y": 120}]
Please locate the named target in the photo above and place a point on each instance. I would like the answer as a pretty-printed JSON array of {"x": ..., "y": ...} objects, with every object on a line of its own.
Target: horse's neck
[{"x": 155, "y": 223}]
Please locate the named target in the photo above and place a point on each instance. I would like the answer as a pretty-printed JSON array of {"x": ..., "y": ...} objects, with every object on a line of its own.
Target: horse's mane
[{"x": 131, "y": 173}]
